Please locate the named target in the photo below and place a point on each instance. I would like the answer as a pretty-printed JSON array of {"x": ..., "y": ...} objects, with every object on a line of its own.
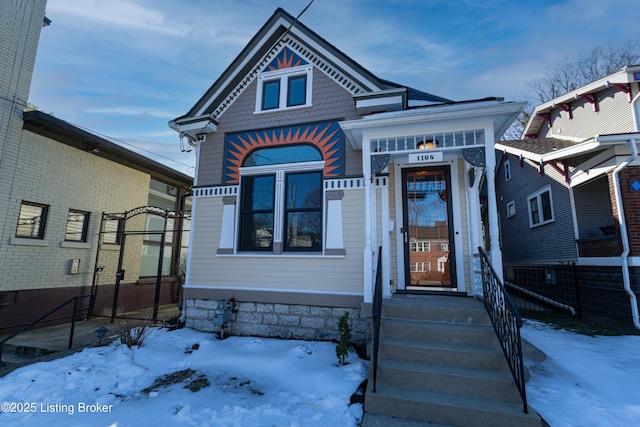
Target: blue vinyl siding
[{"x": 550, "y": 242}]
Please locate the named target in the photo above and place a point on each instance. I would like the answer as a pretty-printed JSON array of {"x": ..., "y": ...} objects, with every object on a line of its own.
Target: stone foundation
[{"x": 286, "y": 321}]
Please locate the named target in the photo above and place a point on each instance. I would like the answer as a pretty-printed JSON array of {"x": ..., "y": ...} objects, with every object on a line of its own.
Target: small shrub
[
  {"x": 344, "y": 346},
  {"x": 132, "y": 332}
]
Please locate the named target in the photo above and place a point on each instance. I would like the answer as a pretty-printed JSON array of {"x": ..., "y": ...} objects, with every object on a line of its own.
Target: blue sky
[{"x": 124, "y": 68}]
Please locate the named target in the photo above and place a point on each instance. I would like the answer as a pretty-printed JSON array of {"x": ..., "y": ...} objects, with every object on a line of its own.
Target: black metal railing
[
  {"x": 76, "y": 310},
  {"x": 506, "y": 322},
  {"x": 376, "y": 312},
  {"x": 549, "y": 290}
]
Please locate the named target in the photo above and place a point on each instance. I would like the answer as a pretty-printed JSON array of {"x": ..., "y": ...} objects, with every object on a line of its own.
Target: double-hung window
[
  {"x": 281, "y": 201},
  {"x": 32, "y": 220},
  {"x": 77, "y": 226},
  {"x": 540, "y": 207},
  {"x": 283, "y": 89}
]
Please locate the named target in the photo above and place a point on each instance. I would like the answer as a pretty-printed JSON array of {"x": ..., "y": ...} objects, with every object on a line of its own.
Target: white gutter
[{"x": 623, "y": 223}]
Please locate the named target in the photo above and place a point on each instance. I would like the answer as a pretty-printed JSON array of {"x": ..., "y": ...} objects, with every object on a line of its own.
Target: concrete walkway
[{"x": 38, "y": 345}]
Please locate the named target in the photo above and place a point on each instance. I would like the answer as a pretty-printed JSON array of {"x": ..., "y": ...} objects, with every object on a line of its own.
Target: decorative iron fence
[
  {"x": 544, "y": 290},
  {"x": 506, "y": 322}
]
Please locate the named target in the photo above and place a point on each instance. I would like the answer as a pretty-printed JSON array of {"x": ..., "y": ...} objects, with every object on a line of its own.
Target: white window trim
[
  {"x": 536, "y": 195},
  {"x": 507, "y": 170},
  {"x": 280, "y": 170},
  {"x": 283, "y": 75},
  {"x": 511, "y": 204}
]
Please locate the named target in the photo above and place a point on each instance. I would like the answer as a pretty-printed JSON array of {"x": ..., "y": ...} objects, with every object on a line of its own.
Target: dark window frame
[
  {"x": 85, "y": 226},
  {"x": 290, "y": 92},
  {"x": 287, "y": 210},
  {"x": 41, "y": 227},
  {"x": 264, "y": 105},
  {"x": 247, "y": 213}
]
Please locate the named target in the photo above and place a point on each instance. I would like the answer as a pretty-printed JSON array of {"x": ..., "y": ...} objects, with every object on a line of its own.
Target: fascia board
[
  {"x": 594, "y": 167},
  {"x": 446, "y": 118},
  {"x": 243, "y": 60},
  {"x": 625, "y": 75},
  {"x": 482, "y": 112},
  {"x": 338, "y": 60},
  {"x": 517, "y": 152}
]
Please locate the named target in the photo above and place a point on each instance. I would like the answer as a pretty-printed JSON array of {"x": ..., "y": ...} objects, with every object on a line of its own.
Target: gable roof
[
  {"x": 620, "y": 79},
  {"x": 280, "y": 31}
]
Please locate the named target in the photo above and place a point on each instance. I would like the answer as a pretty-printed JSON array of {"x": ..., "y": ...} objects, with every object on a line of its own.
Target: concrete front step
[
  {"x": 446, "y": 354},
  {"x": 428, "y": 331},
  {"x": 377, "y": 420},
  {"x": 463, "y": 310},
  {"x": 450, "y": 380},
  {"x": 448, "y": 409}
]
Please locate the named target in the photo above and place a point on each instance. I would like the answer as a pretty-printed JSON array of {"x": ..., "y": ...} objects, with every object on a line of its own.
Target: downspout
[{"x": 622, "y": 221}]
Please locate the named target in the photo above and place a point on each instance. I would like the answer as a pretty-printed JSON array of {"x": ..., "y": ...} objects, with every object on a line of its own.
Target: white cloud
[
  {"x": 131, "y": 111},
  {"x": 117, "y": 13}
]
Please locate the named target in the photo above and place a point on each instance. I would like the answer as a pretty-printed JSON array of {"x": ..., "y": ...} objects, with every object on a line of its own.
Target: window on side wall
[
  {"x": 32, "y": 220},
  {"x": 507, "y": 170},
  {"x": 77, "y": 226},
  {"x": 284, "y": 89},
  {"x": 540, "y": 207},
  {"x": 113, "y": 229},
  {"x": 281, "y": 200}
]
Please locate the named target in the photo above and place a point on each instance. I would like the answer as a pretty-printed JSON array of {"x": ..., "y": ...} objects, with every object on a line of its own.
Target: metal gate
[{"x": 123, "y": 240}]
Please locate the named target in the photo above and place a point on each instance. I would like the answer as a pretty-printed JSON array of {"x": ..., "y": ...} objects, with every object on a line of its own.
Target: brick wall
[
  {"x": 64, "y": 178},
  {"x": 631, "y": 201}
]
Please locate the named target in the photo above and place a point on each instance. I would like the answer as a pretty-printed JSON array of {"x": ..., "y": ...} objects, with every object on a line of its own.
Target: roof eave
[
  {"x": 624, "y": 76},
  {"x": 68, "y": 134}
]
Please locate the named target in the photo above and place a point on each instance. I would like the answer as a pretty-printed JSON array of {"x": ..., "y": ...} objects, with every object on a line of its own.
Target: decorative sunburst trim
[
  {"x": 299, "y": 49},
  {"x": 326, "y": 137},
  {"x": 285, "y": 59}
]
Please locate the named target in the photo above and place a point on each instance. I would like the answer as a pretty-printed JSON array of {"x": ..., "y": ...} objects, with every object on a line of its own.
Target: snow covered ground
[
  {"x": 251, "y": 382},
  {"x": 585, "y": 381}
]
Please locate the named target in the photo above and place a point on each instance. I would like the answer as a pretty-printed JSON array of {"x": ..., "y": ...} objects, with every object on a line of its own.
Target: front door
[{"x": 428, "y": 240}]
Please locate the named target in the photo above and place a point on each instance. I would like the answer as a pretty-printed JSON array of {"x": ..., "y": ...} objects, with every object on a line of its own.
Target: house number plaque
[{"x": 426, "y": 157}]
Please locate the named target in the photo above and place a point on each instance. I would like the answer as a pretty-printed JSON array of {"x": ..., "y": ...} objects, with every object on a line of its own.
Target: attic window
[{"x": 284, "y": 89}]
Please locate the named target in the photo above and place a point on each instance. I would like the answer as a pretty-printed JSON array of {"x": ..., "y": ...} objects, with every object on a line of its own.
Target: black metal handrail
[
  {"x": 506, "y": 322},
  {"x": 376, "y": 313},
  {"x": 49, "y": 313}
]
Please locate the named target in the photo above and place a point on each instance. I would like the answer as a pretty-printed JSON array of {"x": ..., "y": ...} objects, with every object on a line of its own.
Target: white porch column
[
  {"x": 492, "y": 209},
  {"x": 369, "y": 218},
  {"x": 386, "y": 237}
]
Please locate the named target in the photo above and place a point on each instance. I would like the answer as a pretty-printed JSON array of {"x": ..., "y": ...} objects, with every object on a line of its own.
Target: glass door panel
[{"x": 427, "y": 234}]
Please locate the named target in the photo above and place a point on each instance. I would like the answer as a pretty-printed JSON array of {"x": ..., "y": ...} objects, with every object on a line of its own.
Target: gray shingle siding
[
  {"x": 330, "y": 102},
  {"x": 520, "y": 243}
]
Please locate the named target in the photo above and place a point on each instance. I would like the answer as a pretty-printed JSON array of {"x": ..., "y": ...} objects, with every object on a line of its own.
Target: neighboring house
[
  {"x": 307, "y": 163},
  {"x": 569, "y": 192},
  {"x": 65, "y": 193}
]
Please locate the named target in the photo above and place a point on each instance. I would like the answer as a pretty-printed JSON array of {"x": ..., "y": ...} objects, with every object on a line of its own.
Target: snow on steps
[{"x": 440, "y": 362}]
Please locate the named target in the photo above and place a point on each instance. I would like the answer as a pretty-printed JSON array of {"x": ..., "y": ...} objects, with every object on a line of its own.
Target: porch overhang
[
  {"x": 445, "y": 117},
  {"x": 608, "y": 151}
]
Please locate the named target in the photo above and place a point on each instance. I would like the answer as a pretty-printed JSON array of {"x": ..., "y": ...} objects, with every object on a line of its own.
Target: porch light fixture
[{"x": 427, "y": 144}]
